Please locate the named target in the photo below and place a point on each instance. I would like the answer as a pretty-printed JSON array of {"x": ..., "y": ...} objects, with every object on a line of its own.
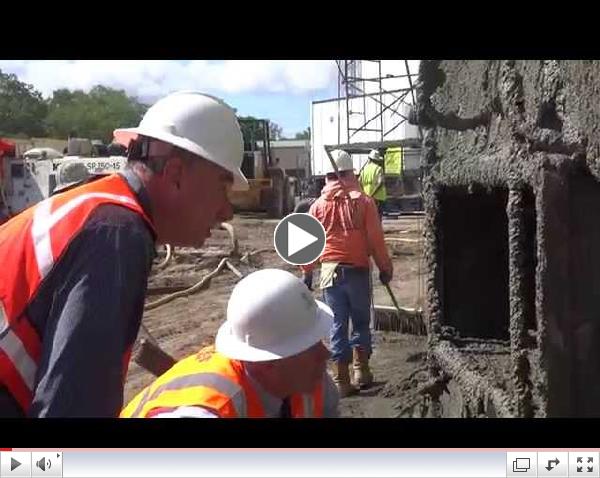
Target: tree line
[{"x": 25, "y": 113}]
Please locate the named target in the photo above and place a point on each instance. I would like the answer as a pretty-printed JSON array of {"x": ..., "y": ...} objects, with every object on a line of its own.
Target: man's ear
[{"x": 173, "y": 172}]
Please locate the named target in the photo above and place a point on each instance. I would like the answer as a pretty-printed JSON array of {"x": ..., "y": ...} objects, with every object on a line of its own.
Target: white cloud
[{"x": 147, "y": 79}]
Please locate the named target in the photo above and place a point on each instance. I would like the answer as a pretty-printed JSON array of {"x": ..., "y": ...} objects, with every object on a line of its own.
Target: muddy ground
[{"x": 186, "y": 324}]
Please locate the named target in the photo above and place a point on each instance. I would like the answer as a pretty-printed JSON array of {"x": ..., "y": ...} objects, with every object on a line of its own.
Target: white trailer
[{"x": 373, "y": 107}]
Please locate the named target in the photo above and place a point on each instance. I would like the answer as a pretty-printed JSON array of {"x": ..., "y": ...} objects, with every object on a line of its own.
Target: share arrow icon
[{"x": 550, "y": 466}]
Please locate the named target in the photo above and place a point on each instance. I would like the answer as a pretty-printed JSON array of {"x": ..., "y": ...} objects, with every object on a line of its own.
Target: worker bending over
[
  {"x": 268, "y": 360},
  {"x": 75, "y": 266}
]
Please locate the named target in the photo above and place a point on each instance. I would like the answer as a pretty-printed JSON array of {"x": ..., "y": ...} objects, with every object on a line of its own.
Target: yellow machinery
[{"x": 271, "y": 190}]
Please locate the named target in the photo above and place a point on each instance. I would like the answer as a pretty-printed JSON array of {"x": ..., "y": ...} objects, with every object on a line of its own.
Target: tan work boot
[
  {"x": 363, "y": 378},
  {"x": 341, "y": 378}
]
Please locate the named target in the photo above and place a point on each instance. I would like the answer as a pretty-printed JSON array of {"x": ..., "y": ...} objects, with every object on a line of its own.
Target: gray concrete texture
[{"x": 511, "y": 151}]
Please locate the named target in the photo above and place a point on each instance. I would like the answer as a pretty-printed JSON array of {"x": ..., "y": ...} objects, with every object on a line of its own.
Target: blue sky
[
  {"x": 291, "y": 112},
  {"x": 277, "y": 90}
]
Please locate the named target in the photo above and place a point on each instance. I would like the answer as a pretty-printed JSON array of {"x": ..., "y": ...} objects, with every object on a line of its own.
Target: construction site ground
[{"x": 186, "y": 324}]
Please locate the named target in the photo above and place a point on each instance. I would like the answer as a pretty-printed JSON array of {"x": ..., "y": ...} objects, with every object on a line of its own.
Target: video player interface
[{"x": 349, "y": 463}]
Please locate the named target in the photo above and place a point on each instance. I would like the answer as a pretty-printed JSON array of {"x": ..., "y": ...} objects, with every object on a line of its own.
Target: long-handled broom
[{"x": 398, "y": 319}]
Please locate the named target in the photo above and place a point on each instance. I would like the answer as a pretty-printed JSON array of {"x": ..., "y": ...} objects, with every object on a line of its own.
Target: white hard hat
[
  {"x": 342, "y": 160},
  {"x": 375, "y": 155},
  {"x": 198, "y": 123},
  {"x": 271, "y": 315}
]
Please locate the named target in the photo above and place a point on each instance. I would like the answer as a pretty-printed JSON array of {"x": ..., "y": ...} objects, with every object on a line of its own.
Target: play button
[
  {"x": 299, "y": 239},
  {"x": 15, "y": 464}
]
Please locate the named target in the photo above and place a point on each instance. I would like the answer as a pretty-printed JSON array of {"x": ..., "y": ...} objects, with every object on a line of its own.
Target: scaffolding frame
[{"x": 351, "y": 87}]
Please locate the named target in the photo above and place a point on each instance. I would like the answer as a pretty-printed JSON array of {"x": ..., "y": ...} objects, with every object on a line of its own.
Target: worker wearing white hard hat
[
  {"x": 354, "y": 233},
  {"x": 195, "y": 122},
  {"x": 268, "y": 359},
  {"x": 342, "y": 161},
  {"x": 372, "y": 180},
  {"x": 92, "y": 255},
  {"x": 188, "y": 151},
  {"x": 375, "y": 155}
]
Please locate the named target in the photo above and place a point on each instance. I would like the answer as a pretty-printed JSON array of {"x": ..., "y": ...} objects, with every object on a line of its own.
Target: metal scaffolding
[{"x": 353, "y": 85}]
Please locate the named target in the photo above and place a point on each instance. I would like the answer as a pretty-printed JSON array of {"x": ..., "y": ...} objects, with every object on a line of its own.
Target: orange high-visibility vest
[
  {"x": 31, "y": 244},
  {"x": 219, "y": 384}
]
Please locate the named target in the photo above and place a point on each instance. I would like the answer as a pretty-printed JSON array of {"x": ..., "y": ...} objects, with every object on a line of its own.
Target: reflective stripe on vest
[
  {"x": 31, "y": 244},
  {"x": 218, "y": 384},
  {"x": 309, "y": 405},
  {"x": 44, "y": 220},
  {"x": 210, "y": 380},
  {"x": 12, "y": 347}
]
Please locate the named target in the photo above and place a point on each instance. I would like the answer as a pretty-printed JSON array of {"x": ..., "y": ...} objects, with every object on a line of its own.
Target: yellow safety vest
[
  {"x": 368, "y": 181},
  {"x": 210, "y": 380}
]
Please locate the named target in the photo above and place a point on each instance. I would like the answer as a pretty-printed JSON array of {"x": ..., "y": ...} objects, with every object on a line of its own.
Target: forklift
[{"x": 271, "y": 191}]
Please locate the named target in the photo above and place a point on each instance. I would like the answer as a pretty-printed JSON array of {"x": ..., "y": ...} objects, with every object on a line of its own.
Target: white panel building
[{"x": 375, "y": 97}]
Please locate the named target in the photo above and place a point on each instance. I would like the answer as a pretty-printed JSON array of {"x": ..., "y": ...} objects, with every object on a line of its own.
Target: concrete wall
[{"x": 531, "y": 129}]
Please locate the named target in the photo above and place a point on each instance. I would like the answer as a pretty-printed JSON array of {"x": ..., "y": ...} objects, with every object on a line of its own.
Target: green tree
[
  {"x": 93, "y": 115},
  {"x": 252, "y": 129},
  {"x": 304, "y": 134},
  {"x": 22, "y": 108},
  {"x": 275, "y": 131}
]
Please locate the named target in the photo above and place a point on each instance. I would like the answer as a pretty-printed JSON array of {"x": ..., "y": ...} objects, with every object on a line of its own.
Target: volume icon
[{"x": 43, "y": 464}]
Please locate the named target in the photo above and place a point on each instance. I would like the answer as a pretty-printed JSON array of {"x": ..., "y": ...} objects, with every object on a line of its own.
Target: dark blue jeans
[{"x": 349, "y": 299}]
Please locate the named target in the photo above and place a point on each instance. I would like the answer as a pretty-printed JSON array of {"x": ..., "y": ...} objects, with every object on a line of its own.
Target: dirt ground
[{"x": 184, "y": 325}]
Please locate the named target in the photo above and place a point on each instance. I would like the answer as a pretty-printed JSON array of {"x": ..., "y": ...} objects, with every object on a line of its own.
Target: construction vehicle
[
  {"x": 32, "y": 177},
  {"x": 28, "y": 179},
  {"x": 270, "y": 189}
]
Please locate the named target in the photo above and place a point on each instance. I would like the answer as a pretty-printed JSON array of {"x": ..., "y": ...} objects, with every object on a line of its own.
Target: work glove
[
  {"x": 307, "y": 278},
  {"x": 385, "y": 277}
]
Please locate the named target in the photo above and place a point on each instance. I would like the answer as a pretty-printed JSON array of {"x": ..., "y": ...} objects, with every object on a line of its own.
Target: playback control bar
[{"x": 298, "y": 463}]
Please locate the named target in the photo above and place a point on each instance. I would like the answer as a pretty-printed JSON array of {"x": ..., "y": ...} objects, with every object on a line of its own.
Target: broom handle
[{"x": 394, "y": 301}]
